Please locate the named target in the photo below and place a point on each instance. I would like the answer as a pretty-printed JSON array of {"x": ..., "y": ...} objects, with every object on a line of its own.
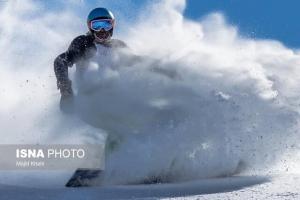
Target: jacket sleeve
[{"x": 68, "y": 58}]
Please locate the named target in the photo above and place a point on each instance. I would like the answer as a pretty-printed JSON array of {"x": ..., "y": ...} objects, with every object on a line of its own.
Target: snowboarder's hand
[{"x": 65, "y": 88}]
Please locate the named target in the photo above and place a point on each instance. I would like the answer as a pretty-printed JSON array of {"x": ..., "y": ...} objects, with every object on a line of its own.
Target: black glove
[{"x": 65, "y": 88}]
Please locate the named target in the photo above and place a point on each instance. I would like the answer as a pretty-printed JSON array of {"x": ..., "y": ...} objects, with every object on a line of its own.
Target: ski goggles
[{"x": 106, "y": 24}]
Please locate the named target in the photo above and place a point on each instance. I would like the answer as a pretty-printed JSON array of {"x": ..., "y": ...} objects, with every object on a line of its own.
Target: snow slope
[
  {"x": 133, "y": 192},
  {"x": 278, "y": 188},
  {"x": 273, "y": 188}
]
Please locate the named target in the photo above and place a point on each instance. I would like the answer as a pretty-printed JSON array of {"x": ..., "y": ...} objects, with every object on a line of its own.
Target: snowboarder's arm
[
  {"x": 68, "y": 58},
  {"x": 74, "y": 53},
  {"x": 61, "y": 65}
]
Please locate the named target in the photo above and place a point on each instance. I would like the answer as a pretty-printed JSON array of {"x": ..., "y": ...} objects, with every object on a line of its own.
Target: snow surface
[
  {"x": 137, "y": 192},
  {"x": 273, "y": 188},
  {"x": 202, "y": 99}
]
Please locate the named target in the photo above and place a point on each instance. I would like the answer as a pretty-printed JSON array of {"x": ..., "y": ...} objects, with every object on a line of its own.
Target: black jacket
[{"x": 81, "y": 48}]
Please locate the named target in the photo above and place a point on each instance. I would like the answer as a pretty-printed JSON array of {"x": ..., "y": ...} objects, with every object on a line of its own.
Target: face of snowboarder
[{"x": 102, "y": 29}]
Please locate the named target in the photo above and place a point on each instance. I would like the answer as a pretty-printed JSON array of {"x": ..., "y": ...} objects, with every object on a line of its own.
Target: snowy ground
[{"x": 279, "y": 187}]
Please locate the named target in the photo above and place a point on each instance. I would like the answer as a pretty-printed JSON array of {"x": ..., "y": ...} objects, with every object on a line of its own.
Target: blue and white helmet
[{"x": 100, "y": 13}]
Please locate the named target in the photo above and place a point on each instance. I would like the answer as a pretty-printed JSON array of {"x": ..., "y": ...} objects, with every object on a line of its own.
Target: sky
[
  {"x": 263, "y": 19},
  {"x": 268, "y": 19}
]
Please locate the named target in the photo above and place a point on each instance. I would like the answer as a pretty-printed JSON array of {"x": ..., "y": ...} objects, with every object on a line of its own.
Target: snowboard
[{"x": 83, "y": 178}]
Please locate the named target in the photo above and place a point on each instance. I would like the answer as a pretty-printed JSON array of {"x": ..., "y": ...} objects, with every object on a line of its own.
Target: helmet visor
[{"x": 106, "y": 24}]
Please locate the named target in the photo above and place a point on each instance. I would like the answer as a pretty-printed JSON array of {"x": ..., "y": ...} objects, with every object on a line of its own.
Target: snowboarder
[{"x": 101, "y": 24}]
